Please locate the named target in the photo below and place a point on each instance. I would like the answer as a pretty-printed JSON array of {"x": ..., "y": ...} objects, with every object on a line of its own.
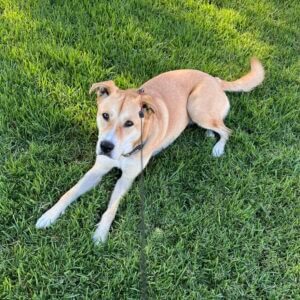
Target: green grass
[{"x": 223, "y": 228}]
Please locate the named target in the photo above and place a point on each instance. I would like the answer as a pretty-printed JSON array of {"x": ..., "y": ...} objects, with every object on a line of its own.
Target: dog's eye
[
  {"x": 105, "y": 116},
  {"x": 128, "y": 123}
]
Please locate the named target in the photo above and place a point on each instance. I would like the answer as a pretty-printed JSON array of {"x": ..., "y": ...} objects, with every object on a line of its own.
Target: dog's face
[{"x": 118, "y": 119}]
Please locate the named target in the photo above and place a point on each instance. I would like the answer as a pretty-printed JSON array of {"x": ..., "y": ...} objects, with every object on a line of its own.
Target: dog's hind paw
[
  {"x": 218, "y": 149},
  {"x": 209, "y": 133}
]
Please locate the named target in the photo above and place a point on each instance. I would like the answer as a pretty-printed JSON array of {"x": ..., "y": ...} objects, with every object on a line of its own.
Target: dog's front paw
[
  {"x": 48, "y": 218},
  {"x": 100, "y": 235}
]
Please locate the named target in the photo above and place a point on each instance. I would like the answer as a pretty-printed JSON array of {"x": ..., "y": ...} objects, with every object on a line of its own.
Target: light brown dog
[{"x": 169, "y": 101}]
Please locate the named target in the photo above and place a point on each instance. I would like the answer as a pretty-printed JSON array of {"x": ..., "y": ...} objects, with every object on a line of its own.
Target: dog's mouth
[
  {"x": 100, "y": 152},
  {"x": 105, "y": 154}
]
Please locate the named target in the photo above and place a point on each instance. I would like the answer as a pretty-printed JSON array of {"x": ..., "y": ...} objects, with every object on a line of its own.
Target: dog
[{"x": 169, "y": 102}]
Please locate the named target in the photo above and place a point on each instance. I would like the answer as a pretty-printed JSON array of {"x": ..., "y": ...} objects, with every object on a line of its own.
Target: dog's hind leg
[
  {"x": 102, "y": 166},
  {"x": 224, "y": 132},
  {"x": 207, "y": 106}
]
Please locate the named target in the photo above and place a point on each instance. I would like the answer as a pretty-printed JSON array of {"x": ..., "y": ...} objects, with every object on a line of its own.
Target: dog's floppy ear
[
  {"x": 103, "y": 89},
  {"x": 148, "y": 107}
]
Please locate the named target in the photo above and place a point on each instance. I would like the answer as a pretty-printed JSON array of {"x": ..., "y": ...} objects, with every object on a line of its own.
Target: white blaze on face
[
  {"x": 103, "y": 133},
  {"x": 109, "y": 136}
]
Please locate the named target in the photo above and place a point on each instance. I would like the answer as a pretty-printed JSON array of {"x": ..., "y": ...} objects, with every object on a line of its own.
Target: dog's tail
[{"x": 248, "y": 82}]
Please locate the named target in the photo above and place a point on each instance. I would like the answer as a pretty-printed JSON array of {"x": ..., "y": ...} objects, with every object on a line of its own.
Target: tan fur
[
  {"x": 248, "y": 82},
  {"x": 170, "y": 102},
  {"x": 199, "y": 97}
]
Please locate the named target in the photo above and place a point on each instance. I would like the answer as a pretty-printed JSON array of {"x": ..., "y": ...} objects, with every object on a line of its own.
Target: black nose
[{"x": 106, "y": 147}]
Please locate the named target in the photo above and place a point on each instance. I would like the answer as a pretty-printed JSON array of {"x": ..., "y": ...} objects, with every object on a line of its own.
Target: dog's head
[{"x": 118, "y": 119}]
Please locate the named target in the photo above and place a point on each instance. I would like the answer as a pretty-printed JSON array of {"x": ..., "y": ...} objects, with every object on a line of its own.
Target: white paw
[
  {"x": 218, "y": 150},
  {"x": 48, "y": 218},
  {"x": 100, "y": 235},
  {"x": 210, "y": 133}
]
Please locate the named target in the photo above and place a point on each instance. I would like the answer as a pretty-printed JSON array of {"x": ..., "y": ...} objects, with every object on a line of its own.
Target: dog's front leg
[
  {"x": 130, "y": 172},
  {"x": 122, "y": 186},
  {"x": 102, "y": 166}
]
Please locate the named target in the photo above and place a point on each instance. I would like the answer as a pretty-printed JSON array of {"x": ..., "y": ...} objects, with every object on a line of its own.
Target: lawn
[{"x": 226, "y": 228}]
